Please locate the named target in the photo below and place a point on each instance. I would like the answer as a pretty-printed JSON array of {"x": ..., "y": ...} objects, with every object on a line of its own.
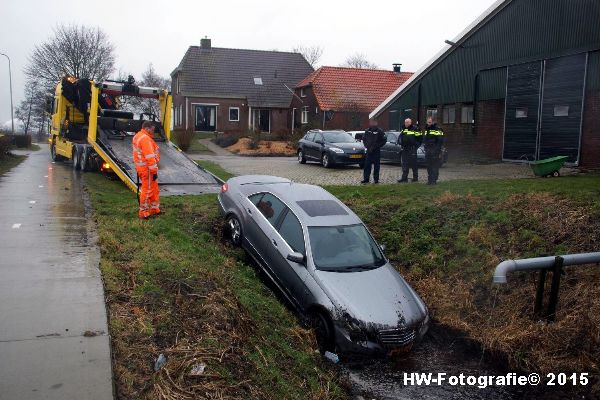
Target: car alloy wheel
[
  {"x": 301, "y": 158},
  {"x": 325, "y": 160},
  {"x": 235, "y": 230},
  {"x": 323, "y": 332}
]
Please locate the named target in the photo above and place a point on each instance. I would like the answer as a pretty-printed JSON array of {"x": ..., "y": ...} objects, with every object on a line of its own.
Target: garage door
[
  {"x": 562, "y": 106},
  {"x": 544, "y": 105},
  {"x": 522, "y": 109}
]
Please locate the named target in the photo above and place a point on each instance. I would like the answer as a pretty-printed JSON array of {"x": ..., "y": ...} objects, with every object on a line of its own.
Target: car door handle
[
  {"x": 249, "y": 211},
  {"x": 274, "y": 242}
]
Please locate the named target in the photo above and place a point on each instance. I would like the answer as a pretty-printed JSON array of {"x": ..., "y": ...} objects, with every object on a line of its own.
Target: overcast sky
[{"x": 160, "y": 31}]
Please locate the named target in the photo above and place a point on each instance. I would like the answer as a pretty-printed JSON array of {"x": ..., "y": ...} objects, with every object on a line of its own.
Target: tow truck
[{"x": 89, "y": 128}]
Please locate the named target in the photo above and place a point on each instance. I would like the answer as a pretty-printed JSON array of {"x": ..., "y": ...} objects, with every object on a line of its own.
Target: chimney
[
  {"x": 205, "y": 43},
  {"x": 397, "y": 68}
]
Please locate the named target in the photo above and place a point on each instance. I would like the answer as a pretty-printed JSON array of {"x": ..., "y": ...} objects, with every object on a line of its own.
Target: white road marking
[
  {"x": 16, "y": 226},
  {"x": 31, "y": 201},
  {"x": 45, "y": 176},
  {"x": 41, "y": 186}
]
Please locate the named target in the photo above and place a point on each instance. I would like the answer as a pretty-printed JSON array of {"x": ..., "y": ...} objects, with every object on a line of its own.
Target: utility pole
[{"x": 12, "y": 118}]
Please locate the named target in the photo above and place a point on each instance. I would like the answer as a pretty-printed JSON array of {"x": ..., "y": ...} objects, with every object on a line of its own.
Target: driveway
[
  {"x": 313, "y": 173},
  {"x": 53, "y": 331}
]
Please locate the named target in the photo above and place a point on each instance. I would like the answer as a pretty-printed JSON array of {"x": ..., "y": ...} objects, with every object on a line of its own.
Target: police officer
[
  {"x": 410, "y": 139},
  {"x": 373, "y": 140},
  {"x": 434, "y": 140}
]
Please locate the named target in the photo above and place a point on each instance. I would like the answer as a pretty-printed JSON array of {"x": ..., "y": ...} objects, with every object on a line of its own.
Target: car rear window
[{"x": 321, "y": 208}]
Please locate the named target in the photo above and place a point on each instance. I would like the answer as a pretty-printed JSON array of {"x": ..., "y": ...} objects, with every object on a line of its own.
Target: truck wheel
[
  {"x": 75, "y": 157},
  {"x": 83, "y": 160},
  {"x": 55, "y": 157}
]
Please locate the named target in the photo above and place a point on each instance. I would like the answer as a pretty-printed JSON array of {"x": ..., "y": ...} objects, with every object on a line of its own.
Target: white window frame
[
  {"x": 238, "y": 114},
  {"x": 433, "y": 113},
  {"x": 304, "y": 115},
  {"x": 446, "y": 115},
  {"x": 302, "y": 92},
  {"x": 464, "y": 118}
]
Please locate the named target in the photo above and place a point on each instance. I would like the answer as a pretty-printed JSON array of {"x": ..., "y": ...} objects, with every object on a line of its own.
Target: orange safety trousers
[{"x": 146, "y": 157}]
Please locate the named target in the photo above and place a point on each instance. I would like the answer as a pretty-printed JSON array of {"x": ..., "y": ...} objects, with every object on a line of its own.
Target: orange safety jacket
[{"x": 146, "y": 154}]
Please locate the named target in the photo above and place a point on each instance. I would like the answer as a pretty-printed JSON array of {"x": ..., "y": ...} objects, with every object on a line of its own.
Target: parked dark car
[
  {"x": 324, "y": 260},
  {"x": 392, "y": 150},
  {"x": 330, "y": 148}
]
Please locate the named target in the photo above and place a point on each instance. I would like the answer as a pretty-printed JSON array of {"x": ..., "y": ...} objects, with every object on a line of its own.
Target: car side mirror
[{"x": 296, "y": 257}]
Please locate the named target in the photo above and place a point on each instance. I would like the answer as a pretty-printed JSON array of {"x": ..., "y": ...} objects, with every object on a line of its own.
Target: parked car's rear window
[{"x": 339, "y": 248}]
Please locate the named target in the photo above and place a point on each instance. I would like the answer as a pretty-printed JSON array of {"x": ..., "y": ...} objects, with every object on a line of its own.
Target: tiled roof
[
  {"x": 219, "y": 72},
  {"x": 340, "y": 88}
]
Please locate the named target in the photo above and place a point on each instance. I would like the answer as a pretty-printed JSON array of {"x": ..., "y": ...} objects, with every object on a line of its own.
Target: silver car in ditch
[{"x": 324, "y": 260}]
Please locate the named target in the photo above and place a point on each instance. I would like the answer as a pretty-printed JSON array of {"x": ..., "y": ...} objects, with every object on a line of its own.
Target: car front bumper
[{"x": 348, "y": 158}]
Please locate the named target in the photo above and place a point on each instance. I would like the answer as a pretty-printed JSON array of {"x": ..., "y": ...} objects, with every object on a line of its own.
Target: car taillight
[{"x": 224, "y": 188}]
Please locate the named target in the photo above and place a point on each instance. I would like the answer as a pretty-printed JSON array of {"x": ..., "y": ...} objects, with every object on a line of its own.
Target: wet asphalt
[{"x": 54, "y": 341}]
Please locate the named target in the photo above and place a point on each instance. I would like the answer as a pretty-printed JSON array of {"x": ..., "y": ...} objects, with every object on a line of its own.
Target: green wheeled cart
[{"x": 549, "y": 166}]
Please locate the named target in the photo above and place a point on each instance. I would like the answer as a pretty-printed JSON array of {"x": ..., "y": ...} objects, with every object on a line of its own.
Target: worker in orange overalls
[{"x": 146, "y": 157}]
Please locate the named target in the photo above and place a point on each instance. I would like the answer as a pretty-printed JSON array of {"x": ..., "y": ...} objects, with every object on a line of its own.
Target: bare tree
[
  {"x": 359, "y": 60},
  {"x": 312, "y": 54},
  {"x": 76, "y": 50},
  {"x": 32, "y": 109}
]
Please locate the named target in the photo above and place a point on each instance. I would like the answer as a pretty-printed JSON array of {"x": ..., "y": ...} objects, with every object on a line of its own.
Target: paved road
[
  {"x": 50, "y": 288},
  {"x": 313, "y": 173}
]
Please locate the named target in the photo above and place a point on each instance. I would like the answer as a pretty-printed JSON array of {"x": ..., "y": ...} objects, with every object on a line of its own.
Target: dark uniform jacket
[
  {"x": 374, "y": 139},
  {"x": 434, "y": 138},
  {"x": 411, "y": 137}
]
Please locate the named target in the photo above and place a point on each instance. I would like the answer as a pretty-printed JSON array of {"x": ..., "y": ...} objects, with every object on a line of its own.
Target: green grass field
[
  {"x": 173, "y": 287},
  {"x": 10, "y": 161}
]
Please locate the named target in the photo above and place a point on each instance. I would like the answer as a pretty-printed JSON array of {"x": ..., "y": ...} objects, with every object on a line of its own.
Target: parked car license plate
[{"x": 356, "y": 156}]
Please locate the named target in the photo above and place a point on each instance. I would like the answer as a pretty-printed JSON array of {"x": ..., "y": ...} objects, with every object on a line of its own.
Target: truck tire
[
  {"x": 55, "y": 157},
  {"x": 75, "y": 157},
  {"x": 83, "y": 160}
]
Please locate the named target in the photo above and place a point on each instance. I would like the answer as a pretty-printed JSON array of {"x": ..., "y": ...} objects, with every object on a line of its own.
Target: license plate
[{"x": 356, "y": 156}]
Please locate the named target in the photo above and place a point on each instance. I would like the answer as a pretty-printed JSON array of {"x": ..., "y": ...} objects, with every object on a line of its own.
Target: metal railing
[{"x": 544, "y": 264}]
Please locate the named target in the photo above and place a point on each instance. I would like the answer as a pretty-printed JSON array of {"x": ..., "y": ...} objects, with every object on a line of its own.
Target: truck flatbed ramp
[{"x": 177, "y": 174}]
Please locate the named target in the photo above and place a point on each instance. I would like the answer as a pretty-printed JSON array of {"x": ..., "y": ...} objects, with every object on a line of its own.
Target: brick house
[
  {"x": 235, "y": 90},
  {"x": 341, "y": 98}
]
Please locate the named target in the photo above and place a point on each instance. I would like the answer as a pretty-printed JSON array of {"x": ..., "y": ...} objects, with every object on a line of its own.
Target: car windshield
[
  {"x": 337, "y": 137},
  {"x": 344, "y": 248}
]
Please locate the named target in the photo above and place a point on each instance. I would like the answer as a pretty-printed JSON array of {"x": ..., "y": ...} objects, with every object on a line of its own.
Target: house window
[
  {"x": 466, "y": 115},
  {"x": 432, "y": 113},
  {"x": 234, "y": 114},
  {"x": 304, "y": 117},
  {"x": 258, "y": 81},
  {"x": 521, "y": 112},
  {"x": 561, "y": 111},
  {"x": 449, "y": 115},
  {"x": 302, "y": 93},
  {"x": 177, "y": 84}
]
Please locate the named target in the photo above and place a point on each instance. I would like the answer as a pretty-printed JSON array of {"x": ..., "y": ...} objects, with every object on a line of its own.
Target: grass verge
[
  {"x": 215, "y": 169},
  {"x": 446, "y": 240},
  {"x": 172, "y": 288},
  {"x": 10, "y": 161}
]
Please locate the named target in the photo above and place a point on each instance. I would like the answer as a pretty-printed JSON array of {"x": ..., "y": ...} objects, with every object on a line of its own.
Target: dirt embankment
[
  {"x": 447, "y": 246},
  {"x": 243, "y": 147}
]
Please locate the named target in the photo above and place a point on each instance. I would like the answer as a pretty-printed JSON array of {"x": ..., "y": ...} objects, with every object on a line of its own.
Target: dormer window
[
  {"x": 302, "y": 93},
  {"x": 258, "y": 81}
]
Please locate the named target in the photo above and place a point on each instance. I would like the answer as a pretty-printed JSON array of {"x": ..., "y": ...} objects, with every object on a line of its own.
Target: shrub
[
  {"x": 22, "y": 141},
  {"x": 4, "y": 145},
  {"x": 295, "y": 138},
  {"x": 255, "y": 138},
  {"x": 226, "y": 139},
  {"x": 183, "y": 138}
]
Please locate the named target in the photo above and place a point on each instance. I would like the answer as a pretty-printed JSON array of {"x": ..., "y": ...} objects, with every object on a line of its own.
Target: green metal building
[{"x": 521, "y": 82}]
